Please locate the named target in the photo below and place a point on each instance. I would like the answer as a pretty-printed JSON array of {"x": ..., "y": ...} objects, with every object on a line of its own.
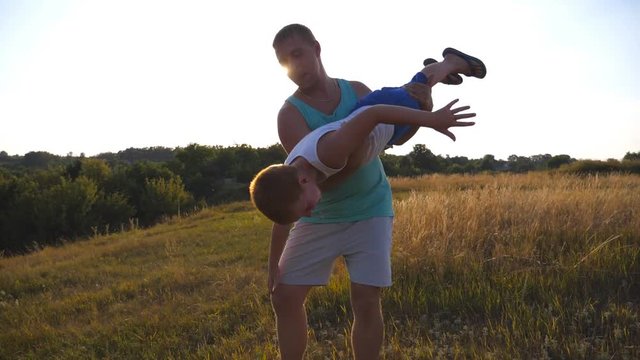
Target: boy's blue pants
[{"x": 394, "y": 96}]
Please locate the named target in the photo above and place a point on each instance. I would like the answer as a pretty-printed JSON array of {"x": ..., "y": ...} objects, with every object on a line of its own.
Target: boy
[{"x": 285, "y": 193}]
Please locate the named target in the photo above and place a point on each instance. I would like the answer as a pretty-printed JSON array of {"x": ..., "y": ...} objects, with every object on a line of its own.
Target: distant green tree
[
  {"x": 202, "y": 169},
  {"x": 408, "y": 168},
  {"x": 472, "y": 166},
  {"x": 95, "y": 169},
  {"x": 273, "y": 154},
  {"x": 130, "y": 179},
  {"x": 455, "y": 169},
  {"x": 18, "y": 224},
  {"x": 559, "y": 160},
  {"x": 246, "y": 163},
  {"x": 111, "y": 209},
  {"x": 519, "y": 164},
  {"x": 631, "y": 156},
  {"x": 8, "y": 194},
  {"x": 592, "y": 167},
  {"x": 62, "y": 211},
  {"x": 162, "y": 197},
  {"x": 153, "y": 154},
  {"x": 423, "y": 159},
  {"x": 488, "y": 163},
  {"x": 391, "y": 164},
  {"x": 456, "y": 164},
  {"x": 540, "y": 162},
  {"x": 38, "y": 159}
]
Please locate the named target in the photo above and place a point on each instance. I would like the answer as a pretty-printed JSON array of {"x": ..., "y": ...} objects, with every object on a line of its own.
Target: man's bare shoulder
[
  {"x": 286, "y": 109},
  {"x": 288, "y": 114},
  {"x": 291, "y": 126},
  {"x": 360, "y": 88}
]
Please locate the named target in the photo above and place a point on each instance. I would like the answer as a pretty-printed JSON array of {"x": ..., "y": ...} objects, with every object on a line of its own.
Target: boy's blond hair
[{"x": 274, "y": 190}]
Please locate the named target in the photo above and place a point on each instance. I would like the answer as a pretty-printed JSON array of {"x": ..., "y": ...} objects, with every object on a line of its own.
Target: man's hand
[
  {"x": 274, "y": 279},
  {"x": 279, "y": 234},
  {"x": 422, "y": 93}
]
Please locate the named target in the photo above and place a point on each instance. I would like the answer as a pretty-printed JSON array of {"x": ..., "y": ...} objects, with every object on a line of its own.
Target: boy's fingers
[
  {"x": 465, "y": 116},
  {"x": 465, "y": 123},
  {"x": 449, "y": 134},
  {"x": 449, "y": 105},
  {"x": 462, "y": 108}
]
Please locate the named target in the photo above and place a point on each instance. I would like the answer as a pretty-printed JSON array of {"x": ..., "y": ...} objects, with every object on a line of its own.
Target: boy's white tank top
[{"x": 307, "y": 148}]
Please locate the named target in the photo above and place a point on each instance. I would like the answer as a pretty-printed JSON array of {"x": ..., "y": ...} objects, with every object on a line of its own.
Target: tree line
[{"x": 47, "y": 199}]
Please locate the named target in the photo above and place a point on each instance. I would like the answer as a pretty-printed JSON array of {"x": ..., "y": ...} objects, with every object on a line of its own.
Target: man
[{"x": 354, "y": 217}]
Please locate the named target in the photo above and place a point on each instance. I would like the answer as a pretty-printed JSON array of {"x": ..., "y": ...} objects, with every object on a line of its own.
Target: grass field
[{"x": 535, "y": 266}]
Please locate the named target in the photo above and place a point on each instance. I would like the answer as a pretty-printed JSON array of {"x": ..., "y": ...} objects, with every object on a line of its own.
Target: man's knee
[
  {"x": 365, "y": 300},
  {"x": 288, "y": 298}
]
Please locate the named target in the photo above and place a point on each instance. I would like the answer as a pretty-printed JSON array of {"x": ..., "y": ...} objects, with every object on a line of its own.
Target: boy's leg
[
  {"x": 451, "y": 79},
  {"x": 455, "y": 62},
  {"x": 418, "y": 90},
  {"x": 466, "y": 64}
]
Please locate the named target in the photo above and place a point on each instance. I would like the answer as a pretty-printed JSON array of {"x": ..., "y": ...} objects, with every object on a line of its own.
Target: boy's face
[
  {"x": 308, "y": 200},
  {"x": 300, "y": 58}
]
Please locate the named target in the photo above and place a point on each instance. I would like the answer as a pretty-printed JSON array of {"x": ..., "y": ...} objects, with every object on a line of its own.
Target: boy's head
[{"x": 283, "y": 193}]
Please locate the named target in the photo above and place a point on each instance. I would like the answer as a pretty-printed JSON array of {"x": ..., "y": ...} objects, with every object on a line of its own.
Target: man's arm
[
  {"x": 291, "y": 127},
  {"x": 279, "y": 234}
]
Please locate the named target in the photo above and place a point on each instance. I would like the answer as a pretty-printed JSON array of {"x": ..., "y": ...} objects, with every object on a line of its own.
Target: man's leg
[
  {"x": 367, "y": 332},
  {"x": 368, "y": 259},
  {"x": 291, "y": 319}
]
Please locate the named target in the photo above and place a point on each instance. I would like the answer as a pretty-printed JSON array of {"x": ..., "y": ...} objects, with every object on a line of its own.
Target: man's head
[
  {"x": 283, "y": 193},
  {"x": 299, "y": 52},
  {"x": 292, "y": 30}
]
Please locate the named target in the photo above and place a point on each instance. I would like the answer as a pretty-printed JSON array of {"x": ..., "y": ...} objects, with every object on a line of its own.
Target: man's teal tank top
[{"x": 364, "y": 194}]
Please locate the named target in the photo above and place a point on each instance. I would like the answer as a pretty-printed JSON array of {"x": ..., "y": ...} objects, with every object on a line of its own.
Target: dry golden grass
[
  {"x": 532, "y": 218},
  {"x": 516, "y": 266}
]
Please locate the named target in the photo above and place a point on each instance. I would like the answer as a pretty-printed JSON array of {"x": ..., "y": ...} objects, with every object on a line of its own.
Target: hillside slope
[{"x": 171, "y": 291}]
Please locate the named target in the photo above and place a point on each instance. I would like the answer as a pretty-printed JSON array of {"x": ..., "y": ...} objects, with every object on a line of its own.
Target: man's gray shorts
[{"x": 312, "y": 249}]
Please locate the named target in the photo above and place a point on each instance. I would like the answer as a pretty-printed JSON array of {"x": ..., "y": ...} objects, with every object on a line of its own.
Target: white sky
[{"x": 101, "y": 76}]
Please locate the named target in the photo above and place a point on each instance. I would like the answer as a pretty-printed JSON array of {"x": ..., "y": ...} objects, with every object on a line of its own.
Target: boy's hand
[{"x": 448, "y": 117}]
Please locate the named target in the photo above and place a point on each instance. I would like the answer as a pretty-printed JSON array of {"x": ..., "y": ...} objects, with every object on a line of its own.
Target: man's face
[{"x": 300, "y": 58}]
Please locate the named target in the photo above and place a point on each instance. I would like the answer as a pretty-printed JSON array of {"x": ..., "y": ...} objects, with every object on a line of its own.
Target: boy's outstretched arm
[
  {"x": 422, "y": 94},
  {"x": 335, "y": 148}
]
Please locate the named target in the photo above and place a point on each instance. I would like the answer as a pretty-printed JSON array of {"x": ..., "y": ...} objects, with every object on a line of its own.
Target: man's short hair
[
  {"x": 291, "y": 30},
  {"x": 274, "y": 191}
]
